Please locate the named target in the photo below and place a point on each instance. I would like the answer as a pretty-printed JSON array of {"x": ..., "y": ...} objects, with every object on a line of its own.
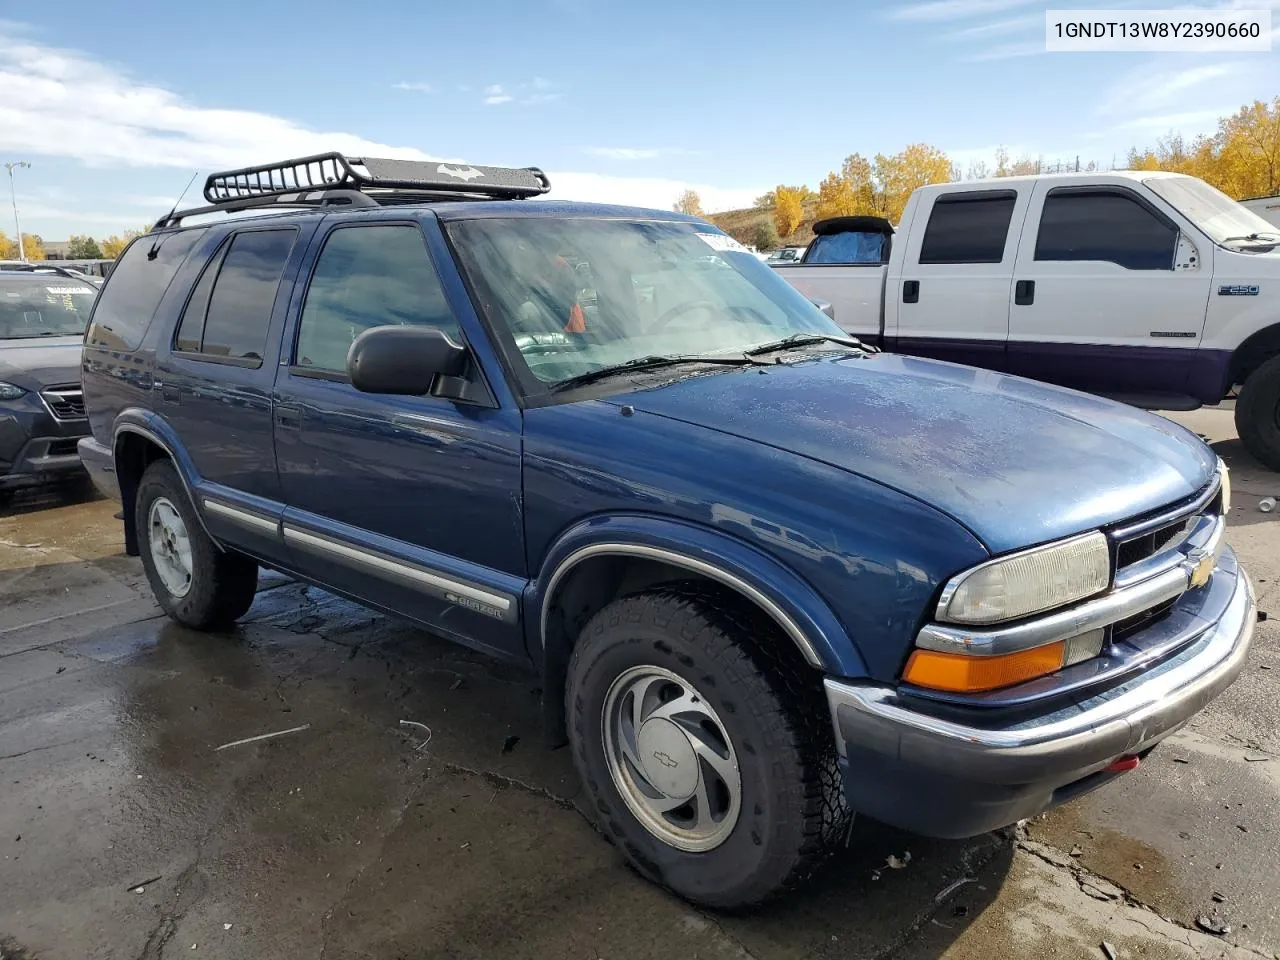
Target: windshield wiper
[
  {"x": 803, "y": 339},
  {"x": 1264, "y": 237},
  {"x": 651, "y": 363}
]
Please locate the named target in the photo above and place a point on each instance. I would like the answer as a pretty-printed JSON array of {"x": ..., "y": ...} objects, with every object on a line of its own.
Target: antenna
[{"x": 155, "y": 247}]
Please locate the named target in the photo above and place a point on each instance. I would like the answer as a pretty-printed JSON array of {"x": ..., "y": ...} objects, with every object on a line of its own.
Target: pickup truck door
[
  {"x": 951, "y": 298},
  {"x": 407, "y": 503},
  {"x": 1109, "y": 295}
]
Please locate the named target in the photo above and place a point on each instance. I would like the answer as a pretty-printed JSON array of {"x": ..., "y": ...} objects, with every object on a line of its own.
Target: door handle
[
  {"x": 169, "y": 393},
  {"x": 910, "y": 291},
  {"x": 1024, "y": 292},
  {"x": 289, "y": 417}
]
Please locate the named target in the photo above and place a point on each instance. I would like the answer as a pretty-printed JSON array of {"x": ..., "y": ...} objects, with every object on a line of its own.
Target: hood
[
  {"x": 36, "y": 364},
  {"x": 1016, "y": 461}
]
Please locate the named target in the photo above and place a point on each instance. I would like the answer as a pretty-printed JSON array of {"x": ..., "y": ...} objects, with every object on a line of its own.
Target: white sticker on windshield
[
  {"x": 64, "y": 290},
  {"x": 722, "y": 241}
]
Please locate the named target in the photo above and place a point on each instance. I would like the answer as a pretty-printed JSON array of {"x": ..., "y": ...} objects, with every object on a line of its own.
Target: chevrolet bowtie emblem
[{"x": 1202, "y": 570}]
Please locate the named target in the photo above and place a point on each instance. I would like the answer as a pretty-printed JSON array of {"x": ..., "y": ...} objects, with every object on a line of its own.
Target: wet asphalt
[{"x": 128, "y": 829}]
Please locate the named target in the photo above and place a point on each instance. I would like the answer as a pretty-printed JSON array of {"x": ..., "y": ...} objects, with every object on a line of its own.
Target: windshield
[
  {"x": 44, "y": 306},
  {"x": 1210, "y": 209},
  {"x": 579, "y": 295}
]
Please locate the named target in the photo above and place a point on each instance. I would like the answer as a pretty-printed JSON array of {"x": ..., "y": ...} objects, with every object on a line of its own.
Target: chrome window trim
[
  {"x": 244, "y": 518},
  {"x": 952, "y": 585},
  {"x": 1107, "y": 609},
  {"x": 775, "y": 612},
  {"x": 447, "y": 587}
]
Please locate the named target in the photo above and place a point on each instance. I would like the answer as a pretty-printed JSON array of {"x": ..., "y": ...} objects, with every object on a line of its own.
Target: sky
[{"x": 116, "y": 105}]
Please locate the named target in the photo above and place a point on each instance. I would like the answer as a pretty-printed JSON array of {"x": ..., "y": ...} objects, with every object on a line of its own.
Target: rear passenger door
[
  {"x": 1110, "y": 296},
  {"x": 412, "y": 504},
  {"x": 214, "y": 383},
  {"x": 952, "y": 300}
]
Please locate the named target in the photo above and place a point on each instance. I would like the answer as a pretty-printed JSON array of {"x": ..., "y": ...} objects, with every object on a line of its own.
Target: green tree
[
  {"x": 83, "y": 248},
  {"x": 765, "y": 236}
]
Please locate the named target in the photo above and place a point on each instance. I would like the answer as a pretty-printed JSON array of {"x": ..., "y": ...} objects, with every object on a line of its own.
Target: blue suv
[{"x": 769, "y": 577}]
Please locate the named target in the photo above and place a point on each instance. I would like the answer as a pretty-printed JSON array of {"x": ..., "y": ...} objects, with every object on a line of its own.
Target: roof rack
[{"x": 328, "y": 179}]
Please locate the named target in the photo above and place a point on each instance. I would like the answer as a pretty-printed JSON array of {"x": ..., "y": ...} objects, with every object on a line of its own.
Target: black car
[{"x": 43, "y": 313}]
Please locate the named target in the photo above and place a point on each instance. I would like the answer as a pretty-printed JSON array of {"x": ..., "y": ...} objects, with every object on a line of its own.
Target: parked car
[
  {"x": 1268, "y": 208},
  {"x": 1150, "y": 288},
  {"x": 43, "y": 314},
  {"x": 767, "y": 574},
  {"x": 785, "y": 255}
]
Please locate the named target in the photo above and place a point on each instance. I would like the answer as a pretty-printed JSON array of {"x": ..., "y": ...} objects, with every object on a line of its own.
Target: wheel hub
[
  {"x": 667, "y": 758},
  {"x": 170, "y": 546}
]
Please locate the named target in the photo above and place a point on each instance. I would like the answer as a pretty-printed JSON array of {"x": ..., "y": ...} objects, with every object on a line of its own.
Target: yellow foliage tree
[
  {"x": 897, "y": 176},
  {"x": 851, "y": 192},
  {"x": 788, "y": 209},
  {"x": 114, "y": 245},
  {"x": 689, "y": 203},
  {"x": 33, "y": 245},
  {"x": 8, "y": 249}
]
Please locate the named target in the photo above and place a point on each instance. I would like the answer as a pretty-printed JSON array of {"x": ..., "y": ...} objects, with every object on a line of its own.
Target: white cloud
[
  {"x": 60, "y": 103},
  {"x": 495, "y": 94},
  {"x": 540, "y": 83},
  {"x": 1146, "y": 90},
  {"x": 1008, "y": 51},
  {"x": 996, "y": 28},
  {"x": 413, "y": 87},
  {"x": 498, "y": 93},
  {"x": 1188, "y": 122},
  {"x": 635, "y": 153},
  {"x": 935, "y": 10}
]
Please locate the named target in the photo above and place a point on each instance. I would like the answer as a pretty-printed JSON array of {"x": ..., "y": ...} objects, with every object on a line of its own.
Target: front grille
[
  {"x": 1140, "y": 621},
  {"x": 65, "y": 403},
  {"x": 1149, "y": 544}
]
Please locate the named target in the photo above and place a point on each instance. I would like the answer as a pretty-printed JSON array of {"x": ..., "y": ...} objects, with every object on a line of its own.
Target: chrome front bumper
[{"x": 946, "y": 778}]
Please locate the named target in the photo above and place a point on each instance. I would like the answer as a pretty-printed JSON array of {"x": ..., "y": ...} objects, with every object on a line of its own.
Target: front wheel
[
  {"x": 707, "y": 757},
  {"x": 1258, "y": 414},
  {"x": 195, "y": 582}
]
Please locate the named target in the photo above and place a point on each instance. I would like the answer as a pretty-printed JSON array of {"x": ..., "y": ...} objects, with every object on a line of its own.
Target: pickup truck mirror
[
  {"x": 407, "y": 360},
  {"x": 826, "y": 307}
]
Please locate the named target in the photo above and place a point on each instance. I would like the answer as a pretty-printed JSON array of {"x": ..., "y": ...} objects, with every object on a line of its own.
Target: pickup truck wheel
[
  {"x": 197, "y": 584},
  {"x": 1258, "y": 414},
  {"x": 705, "y": 759}
]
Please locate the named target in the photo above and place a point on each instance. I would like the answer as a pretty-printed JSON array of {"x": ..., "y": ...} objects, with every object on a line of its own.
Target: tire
[
  {"x": 219, "y": 586},
  {"x": 1258, "y": 414},
  {"x": 768, "y": 723}
]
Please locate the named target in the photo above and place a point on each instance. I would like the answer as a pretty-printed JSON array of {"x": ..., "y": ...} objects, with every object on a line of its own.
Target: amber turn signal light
[{"x": 957, "y": 673}]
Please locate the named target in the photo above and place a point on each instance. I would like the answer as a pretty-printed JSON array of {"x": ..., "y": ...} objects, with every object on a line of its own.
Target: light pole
[{"x": 13, "y": 196}]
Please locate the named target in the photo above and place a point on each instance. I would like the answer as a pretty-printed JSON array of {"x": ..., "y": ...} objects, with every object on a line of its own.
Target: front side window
[
  {"x": 579, "y": 295},
  {"x": 230, "y": 309},
  {"x": 1105, "y": 226},
  {"x": 43, "y": 305},
  {"x": 968, "y": 227},
  {"x": 368, "y": 276}
]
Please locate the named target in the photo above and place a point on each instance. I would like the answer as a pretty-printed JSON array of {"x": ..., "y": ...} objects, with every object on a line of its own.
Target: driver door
[{"x": 410, "y": 503}]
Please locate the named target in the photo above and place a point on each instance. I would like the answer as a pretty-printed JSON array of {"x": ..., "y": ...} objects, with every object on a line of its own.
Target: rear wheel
[
  {"x": 707, "y": 758},
  {"x": 1258, "y": 414},
  {"x": 197, "y": 584}
]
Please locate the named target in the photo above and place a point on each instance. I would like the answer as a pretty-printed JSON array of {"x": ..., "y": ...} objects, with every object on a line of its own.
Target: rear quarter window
[{"x": 137, "y": 283}]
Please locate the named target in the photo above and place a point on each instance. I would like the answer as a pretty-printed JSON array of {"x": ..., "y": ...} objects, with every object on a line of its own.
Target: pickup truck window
[
  {"x": 570, "y": 296},
  {"x": 368, "y": 276},
  {"x": 1104, "y": 225},
  {"x": 968, "y": 227},
  {"x": 239, "y": 303},
  {"x": 1210, "y": 209},
  {"x": 138, "y": 281},
  {"x": 851, "y": 247}
]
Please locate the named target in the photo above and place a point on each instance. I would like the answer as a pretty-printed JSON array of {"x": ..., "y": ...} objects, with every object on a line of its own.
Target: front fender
[{"x": 798, "y": 610}]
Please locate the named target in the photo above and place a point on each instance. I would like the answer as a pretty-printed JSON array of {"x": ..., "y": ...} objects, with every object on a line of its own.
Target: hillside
[{"x": 742, "y": 224}]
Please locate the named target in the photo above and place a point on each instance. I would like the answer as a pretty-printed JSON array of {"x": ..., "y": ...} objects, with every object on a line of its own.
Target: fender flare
[
  {"x": 151, "y": 427},
  {"x": 802, "y": 615}
]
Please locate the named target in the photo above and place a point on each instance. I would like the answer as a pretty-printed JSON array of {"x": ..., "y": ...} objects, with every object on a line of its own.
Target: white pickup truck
[{"x": 1151, "y": 288}]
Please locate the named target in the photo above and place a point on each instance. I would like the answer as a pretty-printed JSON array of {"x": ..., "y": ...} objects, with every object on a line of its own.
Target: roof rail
[
  {"x": 327, "y": 179},
  {"x": 39, "y": 265}
]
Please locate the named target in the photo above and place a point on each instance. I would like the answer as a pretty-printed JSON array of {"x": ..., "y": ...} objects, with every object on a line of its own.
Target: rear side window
[
  {"x": 368, "y": 277},
  {"x": 849, "y": 247},
  {"x": 137, "y": 283},
  {"x": 1105, "y": 226},
  {"x": 968, "y": 227},
  {"x": 230, "y": 308}
]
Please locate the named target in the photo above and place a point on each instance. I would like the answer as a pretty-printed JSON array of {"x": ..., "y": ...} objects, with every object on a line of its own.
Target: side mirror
[
  {"x": 825, "y": 307},
  {"x": 405, "y": 360}
]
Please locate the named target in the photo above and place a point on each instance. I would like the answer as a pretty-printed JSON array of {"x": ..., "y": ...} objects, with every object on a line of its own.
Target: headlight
[
  {"x": 10, "y": 391},
  {"x": 1224, "y": 476},
  {"x": 1038, "y": 579}
]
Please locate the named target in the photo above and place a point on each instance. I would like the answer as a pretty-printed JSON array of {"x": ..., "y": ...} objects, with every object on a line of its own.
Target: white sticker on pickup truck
[
  {"x": 721, "y": 242},
  {"x": 61, "y": 291}
]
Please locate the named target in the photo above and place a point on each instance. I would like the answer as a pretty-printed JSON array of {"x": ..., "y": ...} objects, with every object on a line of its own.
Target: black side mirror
[{"x": 405, "y": 360}]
